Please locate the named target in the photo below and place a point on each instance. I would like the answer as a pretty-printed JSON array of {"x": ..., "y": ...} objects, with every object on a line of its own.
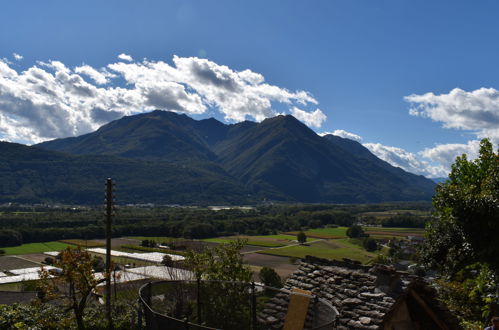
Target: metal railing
[{"x": 226, "y": 305}]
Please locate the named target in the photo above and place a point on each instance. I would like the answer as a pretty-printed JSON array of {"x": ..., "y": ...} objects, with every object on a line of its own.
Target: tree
[
  {"x": 370, "y": 244},
  {"x": 269, "y": 277},
  {"x": 355, "y": 231},
  {"x": 465, "y": 228},
  {"x": 74, "y": 284},
  {"x": 462, "y": 239},
  {"x": 301, "y": 237},
  {"x": 225, "y": 293}
]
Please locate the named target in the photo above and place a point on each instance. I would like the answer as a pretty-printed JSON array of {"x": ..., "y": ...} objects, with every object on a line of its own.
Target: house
[{"x": 368, "y": 297}]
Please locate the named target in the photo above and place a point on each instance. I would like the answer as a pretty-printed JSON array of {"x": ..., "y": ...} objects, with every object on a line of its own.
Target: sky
[{"x": 416, "y": 82}]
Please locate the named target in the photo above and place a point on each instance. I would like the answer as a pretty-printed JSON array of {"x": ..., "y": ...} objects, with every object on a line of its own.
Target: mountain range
[{"x": 167, "y": 158}]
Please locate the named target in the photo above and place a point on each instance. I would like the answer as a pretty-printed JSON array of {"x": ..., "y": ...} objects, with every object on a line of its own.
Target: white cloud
[
  {"x": 125, "y": 57},
  {"x": 344, "y": 134},
  {"x": 477, "y": 111},
  {"x": 99, "y": 77},
  {"x": 51, "y": 100},
  {"x": 406, "y": 160},
  {"x": 17, "y": 57},
  {"x": 314, "y": 118},
  {"x": 446, "y": 154}
]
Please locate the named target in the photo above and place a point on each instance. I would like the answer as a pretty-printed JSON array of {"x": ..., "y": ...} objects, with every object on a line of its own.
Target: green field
[
  {"x": 336, "y": 249},
  {"x": 249, "y": 241},
  {"x": 396, "y": 229},
  {"x": 83, "y": 243},
  {"x": 217, "y": 240},
  {"x": 35, "y": 248},
  {"x": 337, "y": 232},
  {"x": 263, "y": 240}
]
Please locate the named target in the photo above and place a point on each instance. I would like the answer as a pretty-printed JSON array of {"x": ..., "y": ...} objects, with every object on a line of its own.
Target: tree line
[{"x": 46, "y": 224}]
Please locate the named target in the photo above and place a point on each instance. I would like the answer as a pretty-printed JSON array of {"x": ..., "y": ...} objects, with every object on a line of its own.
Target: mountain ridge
[{"x": 279, "y": 158}]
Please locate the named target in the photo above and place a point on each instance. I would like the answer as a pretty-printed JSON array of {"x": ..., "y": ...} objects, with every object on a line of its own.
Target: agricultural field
[
  {"x": 391, "y": 232},
  {"x": 83, "y": 243},
  {"x": 331, "y": 249},
  {"x": 324, "y": 233},
  {"x": 12, "y": 262},
  {"x": 263, "y": 241},
  {"x": 36, "y": 248}
]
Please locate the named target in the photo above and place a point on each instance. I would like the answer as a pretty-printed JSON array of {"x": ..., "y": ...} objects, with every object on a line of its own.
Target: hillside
[
  {"x": 278, "y": 159},
  {"x": 34, "y": 175}
]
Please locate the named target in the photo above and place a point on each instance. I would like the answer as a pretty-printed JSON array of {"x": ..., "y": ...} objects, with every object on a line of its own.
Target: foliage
[
  {"x": 269, "y": 277},
  {"x": 41, "y": 316},
  {"x": 222, "y": 262},
  {"x": 473, "y": 293},
  {"x": 463, "y": 234},
  {"x": 74, "y": 285},
  {"x": 466, "y": 224},
  {"x": 382, "y": 259},
  {"x": 301, "y": 237},
  {"x": 223, "y": 302},
  {"x": 148, "y": 243},
  {"x": 369, "y": 244},
  {"x": 10, "y": 237},
  {"x": 34, "y": 316},
  {"x": 355, "y": 231},
  {"x": 42, "y": 224}
]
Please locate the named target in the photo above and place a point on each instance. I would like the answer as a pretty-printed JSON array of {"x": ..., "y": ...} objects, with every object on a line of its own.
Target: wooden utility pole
[{"x": 109, "y": 215}]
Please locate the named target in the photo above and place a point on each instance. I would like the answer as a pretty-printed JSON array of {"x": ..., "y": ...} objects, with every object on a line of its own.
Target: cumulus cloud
[
  {"x": 50, "y": 100},
  {"x": 17, "y": 57},
  {"x": 406, "y": 160},
  {"x": 446, "y": 154},
  {"x": 125, "y": 57},
  {"x": 314, "y": 118},
  {"x": 344, "y": 134},
  {"x": 99, "y": 77},
  {"x": 476, "y": 111}
]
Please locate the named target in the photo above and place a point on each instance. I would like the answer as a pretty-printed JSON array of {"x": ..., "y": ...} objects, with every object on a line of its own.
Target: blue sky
[{"x": 352, "y": 67}]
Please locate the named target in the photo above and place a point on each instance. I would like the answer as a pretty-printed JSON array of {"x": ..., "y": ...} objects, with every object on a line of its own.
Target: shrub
[
  {"x": 269, "y": 277},
  {"x": 370, "y": 244}
]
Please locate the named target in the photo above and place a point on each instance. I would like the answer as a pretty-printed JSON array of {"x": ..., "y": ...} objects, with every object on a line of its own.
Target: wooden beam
[{"x": 428, "y": 310}]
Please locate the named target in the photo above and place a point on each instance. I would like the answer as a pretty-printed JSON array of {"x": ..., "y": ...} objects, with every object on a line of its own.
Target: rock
[
  {"x": 352, "y": 301},
  {"x": 372, "y": 295},
  {"x": 365, "y": 320},
  {"x": 271, "y": 319}
]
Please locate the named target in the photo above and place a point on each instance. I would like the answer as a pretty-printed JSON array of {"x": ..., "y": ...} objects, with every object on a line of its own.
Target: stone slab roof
[{"x": 363, "y": 295}]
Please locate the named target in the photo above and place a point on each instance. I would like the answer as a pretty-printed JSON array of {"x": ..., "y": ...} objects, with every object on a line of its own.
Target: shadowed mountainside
[{"x": 278, "y": 159}]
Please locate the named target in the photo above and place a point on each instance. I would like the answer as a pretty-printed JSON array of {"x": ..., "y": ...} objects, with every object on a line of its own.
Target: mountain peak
[{"x": 279, "y": 158}]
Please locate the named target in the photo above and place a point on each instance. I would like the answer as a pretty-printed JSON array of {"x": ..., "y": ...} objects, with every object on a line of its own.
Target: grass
[
  {"x": 124, "y": 260},
  {"x": 82, "y": 243},
  {"x": 17, "y": 287},
  {"x": 336, "y": 249},
  {"x": 249, "y": 241},
  {"x": 395, "y": 229},
  {"x": 338, "y": 232},
  {"x": 217, "y": 240},
  {"x": 35, "y": 248},
  {"x": 262, "y": 240}
]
